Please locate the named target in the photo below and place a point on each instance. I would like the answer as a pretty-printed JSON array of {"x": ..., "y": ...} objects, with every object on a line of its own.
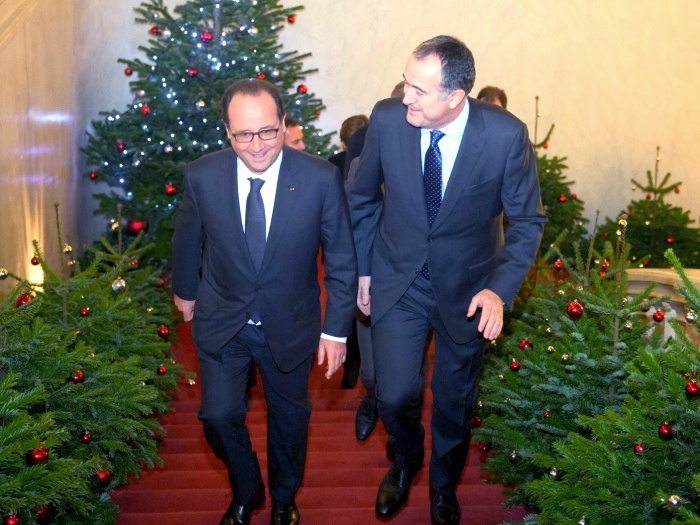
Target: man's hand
[
  {"x": 186, "y": 307},
  {"x": 363, "y": 293},
  {"x": 334, "y": 351},
  {"x": 491, "y": 321}
]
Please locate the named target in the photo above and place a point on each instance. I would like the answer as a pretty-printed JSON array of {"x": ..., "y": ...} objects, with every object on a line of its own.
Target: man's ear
[{"x": 456, "y": 98}]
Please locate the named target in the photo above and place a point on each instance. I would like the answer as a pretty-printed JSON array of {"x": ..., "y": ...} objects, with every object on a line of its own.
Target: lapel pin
[{"x": 291, "y": 188}]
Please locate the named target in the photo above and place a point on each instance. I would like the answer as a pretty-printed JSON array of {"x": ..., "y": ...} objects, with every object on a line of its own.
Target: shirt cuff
[{"x": 333, "y": 338}]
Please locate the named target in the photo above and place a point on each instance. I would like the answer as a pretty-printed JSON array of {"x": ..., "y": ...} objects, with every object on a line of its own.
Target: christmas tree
[
  {"x": 192, "y": 55},
  {"x": 641, "y": 464},
  {"x": 565, "y": 357},
  {"x": 654, "y": 225},
  {"x": 85, "y": 371}
]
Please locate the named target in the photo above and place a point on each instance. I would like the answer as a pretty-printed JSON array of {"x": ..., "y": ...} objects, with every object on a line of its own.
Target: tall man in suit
[
  {"x": 434, "y": 249},
  {"x": 244, "y": 270}
]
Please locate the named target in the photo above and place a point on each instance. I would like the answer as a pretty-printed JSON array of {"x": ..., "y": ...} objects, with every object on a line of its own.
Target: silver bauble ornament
[
  {"x": 166, "y": 34},
  {"x": 3, "y": 274},
  {"x": 690, "y": 316},
  {"x": 118, "y": 285},
  {"x": 628, "y": 326},
  {"x": 674, "y": 501},
  {"x": 168, "y": 148}
]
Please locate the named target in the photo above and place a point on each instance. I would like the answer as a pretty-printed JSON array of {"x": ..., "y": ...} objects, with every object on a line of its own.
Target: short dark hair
[
  {"x": 351, "y": 125},
  {"x": 458, "y": 71},
  {"x": 289, "y": 122},
  {"x": 492, "y": 94},
  {"x": 252, "y": 87}
]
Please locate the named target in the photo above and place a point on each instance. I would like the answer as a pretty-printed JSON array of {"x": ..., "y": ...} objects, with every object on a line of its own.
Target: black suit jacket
[
  {"x": 466, "y": 247},
  {"x": 211, "y": 262}
]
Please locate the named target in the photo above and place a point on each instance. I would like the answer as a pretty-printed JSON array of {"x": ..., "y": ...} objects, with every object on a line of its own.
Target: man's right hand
[
  {"x": 363, "y": 293},
  {"x": 186, "y": 307}
]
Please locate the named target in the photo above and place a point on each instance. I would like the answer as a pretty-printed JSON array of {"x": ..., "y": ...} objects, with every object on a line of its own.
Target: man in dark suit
[
  {"x": 244, "y": 270},
  {"x": 434, "y": 249}
]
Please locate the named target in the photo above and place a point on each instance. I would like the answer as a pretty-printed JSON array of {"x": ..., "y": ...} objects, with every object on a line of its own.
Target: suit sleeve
[
  {"x": 520, "y": 195},
  {"x": 365, "y": 196},
  {"x": 188, "y": 239},
  {"x": 339, "y": 261}
]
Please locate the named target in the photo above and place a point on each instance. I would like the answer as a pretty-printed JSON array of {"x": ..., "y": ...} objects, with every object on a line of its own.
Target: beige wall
[{"x": 617, "y": 78}]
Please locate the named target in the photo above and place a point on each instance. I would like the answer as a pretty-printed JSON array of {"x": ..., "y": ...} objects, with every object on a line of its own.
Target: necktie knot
[
  {"x": 435, "y": 136},
  {"x": 256, "y": 184}
]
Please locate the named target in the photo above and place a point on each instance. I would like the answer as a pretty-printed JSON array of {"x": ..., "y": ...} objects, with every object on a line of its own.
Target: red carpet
[{"x": 342, "y": 474}]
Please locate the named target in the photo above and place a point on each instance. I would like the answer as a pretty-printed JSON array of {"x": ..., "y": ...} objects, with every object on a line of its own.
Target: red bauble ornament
[
  {"x": 39, "y": 456},
  {"x": 192, "y": 72},
  {"x": 128, "y": 72},
  {"x": 638, "y": 448},
  {"x": 558, "y": 265},
  {"x": 134, "y": 262},
  {"x": 546, "y": 414},
  {"x": 574, "y": 196},
  {"x": 134, "y": 227},
  {"x": 665, "y": 431},
  {"x": 291, "y": 19},
  {"x": 645, "y": 307},
  {"x": 648, "y": 196},
  {"x": 677, "y": 190},
  {"x": 561, "y": 198},
  {"x": 261, "y": 76},
  {"x": 606, "y": 233},
  {"x": 206, "y": 36},
  {"x": 658, "y": 316},
  {"x": 602, "y": 273},
  {"x": 483, "y": 448},
  {"x": 545, "y": 145},
  {"x": 104, "y": 477},
  {"x": 574, "y": 310},
  {"x": 629, "y": 213},
  {"x": 92, "y": 175},
  {"x": 146, "y": 110},
  {"x": 22, "y": 299},
  {"x": 34, "y": 261},
  {"x": 161, "y": 371},
  {"x": 669, "y": 240},
  {"x": 12, "y": 519},
  {"x": 524, "y": 344},
  {"x": 302, "y": 89},
  {"x": 121, "y": 146},
  {"x": 154, "y": 31},
  {"x": 475, "y": 422},
  {"x": 42, "y": 514},
  {"x": 86, "y": 438},
  {"x": 84, "y": 312},
  {"x": 692, "y": 389},
  {"x": 605, "y": 265},
  {"x": 514, "y": 365},
  {"x": 163, "y": 331},
  {"x": 77, "y": 377},
  {"x": 170, "y": 190}
]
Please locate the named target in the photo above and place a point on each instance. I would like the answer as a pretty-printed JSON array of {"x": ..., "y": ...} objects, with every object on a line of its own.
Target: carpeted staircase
[{"x": 342, "y": 474}]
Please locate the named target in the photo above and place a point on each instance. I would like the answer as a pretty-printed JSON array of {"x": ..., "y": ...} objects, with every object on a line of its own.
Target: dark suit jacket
[
  {"x": 211, "y": 262},
  {"x": 466, "y": 248}
]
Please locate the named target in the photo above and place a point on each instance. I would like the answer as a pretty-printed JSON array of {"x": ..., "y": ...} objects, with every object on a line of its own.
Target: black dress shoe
[
  {"x": 393, "y": 491},
  {"x": 284, "y": 514},
  {"x": 366, "y": 417},
  {"x": 239, "y": 513},
  {"x": 444, "y": 510}
]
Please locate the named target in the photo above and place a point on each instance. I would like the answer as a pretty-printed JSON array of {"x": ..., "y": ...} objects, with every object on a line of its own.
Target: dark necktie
[
  {"x": 255, "y": 222},
  {"x": 432, "y": 183}
]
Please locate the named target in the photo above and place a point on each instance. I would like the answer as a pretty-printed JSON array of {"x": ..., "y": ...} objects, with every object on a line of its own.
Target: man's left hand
[
  {"x": 491, "y": 322},
  {"x": 334, "y": 352}
]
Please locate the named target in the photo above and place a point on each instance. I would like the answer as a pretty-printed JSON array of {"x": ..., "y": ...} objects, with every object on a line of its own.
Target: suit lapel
[
  {"x": 409, "y": 138},
  {"x": 282, "y": 213},
  {"x": 467, "y": 155}
]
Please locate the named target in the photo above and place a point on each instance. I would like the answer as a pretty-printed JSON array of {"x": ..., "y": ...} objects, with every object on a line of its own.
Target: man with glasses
[{"x": 244, "y": 271}]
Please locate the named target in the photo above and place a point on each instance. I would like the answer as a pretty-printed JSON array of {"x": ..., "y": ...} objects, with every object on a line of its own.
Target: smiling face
[
  {"x": 254, "y": 113},
  {"x": 428, "y": 105}
]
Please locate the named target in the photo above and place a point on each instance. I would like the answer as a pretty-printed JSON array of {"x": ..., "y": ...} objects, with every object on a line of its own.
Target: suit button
[
  {"x": 431, "y": 239},
  {"x": 248, "y": 315}
]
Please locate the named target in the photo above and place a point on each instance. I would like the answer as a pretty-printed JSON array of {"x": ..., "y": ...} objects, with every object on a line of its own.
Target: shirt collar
[
  {"x": 272, "y": 172},
  {"x": 456, "y": 127}
]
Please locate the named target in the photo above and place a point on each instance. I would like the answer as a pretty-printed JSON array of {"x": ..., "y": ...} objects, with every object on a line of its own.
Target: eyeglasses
[{"x": 247, "y": 136}]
